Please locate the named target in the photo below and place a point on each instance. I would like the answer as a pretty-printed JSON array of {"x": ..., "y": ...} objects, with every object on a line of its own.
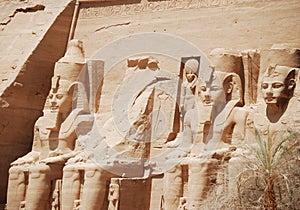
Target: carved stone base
[{"x": 134, "y": 193}]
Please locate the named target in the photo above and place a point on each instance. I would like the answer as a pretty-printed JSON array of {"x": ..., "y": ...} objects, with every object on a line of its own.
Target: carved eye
[
  {"x": 59, "y": 96},
  {"x": 277, "y": 85},
  {"x": 51, "y": 96},
  {"x": 264, "y": 86},
  {"x": 203, "y": 88},
  {"x": 214, "y": 88}
]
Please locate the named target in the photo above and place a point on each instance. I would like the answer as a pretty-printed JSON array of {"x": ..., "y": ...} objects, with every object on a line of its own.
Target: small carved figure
[
  {"x": 172, "y": 187},
  {"x": 189, "y": 86},
  {"x": 183, "y": 204},
  {"x": 188, "y": 107},
  {"x": 113, "y": 195}
]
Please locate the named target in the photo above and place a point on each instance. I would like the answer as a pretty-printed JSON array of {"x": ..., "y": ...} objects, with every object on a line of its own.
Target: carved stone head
[
  {"x": 278, "y": 84},
  {"x": 224, "y": 83},
  {"x": 211, "y": 90},
  {"x": 191, "y": 70},
  {"x": 232, "y": 86},
  {"x": 66, "y": 72}
]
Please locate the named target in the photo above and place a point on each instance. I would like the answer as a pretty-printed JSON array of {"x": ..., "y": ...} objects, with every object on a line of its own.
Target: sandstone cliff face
[
  {"x": 33, "y": 36},
  {"x": 237, "y": 24},
  {"x": 34, "y": 33}
]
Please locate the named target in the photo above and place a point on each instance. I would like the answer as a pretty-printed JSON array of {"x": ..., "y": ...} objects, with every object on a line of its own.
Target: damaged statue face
[
  {"x": 191, "y": 69},
  {"x": 212, "y": 92},
  {"x": 60, "y": 99}
]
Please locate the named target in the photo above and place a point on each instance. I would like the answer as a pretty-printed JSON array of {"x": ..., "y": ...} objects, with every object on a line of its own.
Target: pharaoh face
[
  {"x": 190, "y": 75},
  {"x": 212, "y": 92},
  {"x": 272, "y": 89},
  {"x": 191, "y": 70},
  {"x": 60, "y": 100},
  {"x": 277, "y": 84}
]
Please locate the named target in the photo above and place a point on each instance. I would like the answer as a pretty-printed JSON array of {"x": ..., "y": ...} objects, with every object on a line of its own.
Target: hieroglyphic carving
[
  {"x": 113, "y": 195},
  {"x": 153, "y": 6},
  {"x": 183, "y": 204}
]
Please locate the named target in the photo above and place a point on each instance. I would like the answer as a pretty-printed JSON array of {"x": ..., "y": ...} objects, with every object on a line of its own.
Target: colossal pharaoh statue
[
  {"x": 272, "y": 121},
  {"x": 229, "y": 119},
  {"x": 85, "y": 177},
  {"x": 224, "y": 91},
  {"x": 277, "y": 109},
  {"x": 216, "y": 108},
  {"x": 274, "y": 115},
  {"x": 211, "y": 135},
  {"x": 55, "y": 135}
]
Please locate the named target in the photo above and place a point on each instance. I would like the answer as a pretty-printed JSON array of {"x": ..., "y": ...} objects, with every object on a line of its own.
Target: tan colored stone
[
  {"x": 54, "y": 136},
  {"x": 31, "y": 43},
  {"x": 204, "y": 116}
]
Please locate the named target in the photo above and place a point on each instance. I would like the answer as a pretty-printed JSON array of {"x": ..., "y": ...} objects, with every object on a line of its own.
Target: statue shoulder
[
  {"x": 42, "y": 122},
  {"x": 240, "y": 113},
  {"x": 81, "y": 122}
]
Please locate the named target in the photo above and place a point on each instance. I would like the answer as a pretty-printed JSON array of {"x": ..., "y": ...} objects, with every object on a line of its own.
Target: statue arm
[
  {"x": 36, "y": 144},
  {"x": 75, "y": 156},
  {"x": 34, "y": 154},
  {"x": 79, "y": 129},
  {"x": 187, "y": 131},
  {"x": 182, "y": 96},
  {"x": 240, "y": 119},
  {"x": 60, "y": 159},
  {"x": 193, "y": 83}
]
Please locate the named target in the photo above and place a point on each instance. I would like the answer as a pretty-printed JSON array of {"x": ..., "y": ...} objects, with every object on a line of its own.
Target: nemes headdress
[
  {"x": 226, "y": 60},
  {"x": 275, "y": 70},
  {"x": 280, "y": 60},
  {"x": 68, "y": 68}
]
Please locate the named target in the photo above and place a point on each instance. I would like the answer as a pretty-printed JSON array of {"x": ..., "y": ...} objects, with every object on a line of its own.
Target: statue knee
[
  {"x": 70, "y": 170},
  {"x": 39, "y": 170},
  {"x": 16, "y": 171},
  {"x": 93, "y": 171}
]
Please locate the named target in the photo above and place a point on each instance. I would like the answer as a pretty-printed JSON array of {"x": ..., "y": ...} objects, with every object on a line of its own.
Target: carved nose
[
  {"x": 53, "y": 102},
  {"x": 207, "y": 96},
  {"x": 269, "y": 91}
]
